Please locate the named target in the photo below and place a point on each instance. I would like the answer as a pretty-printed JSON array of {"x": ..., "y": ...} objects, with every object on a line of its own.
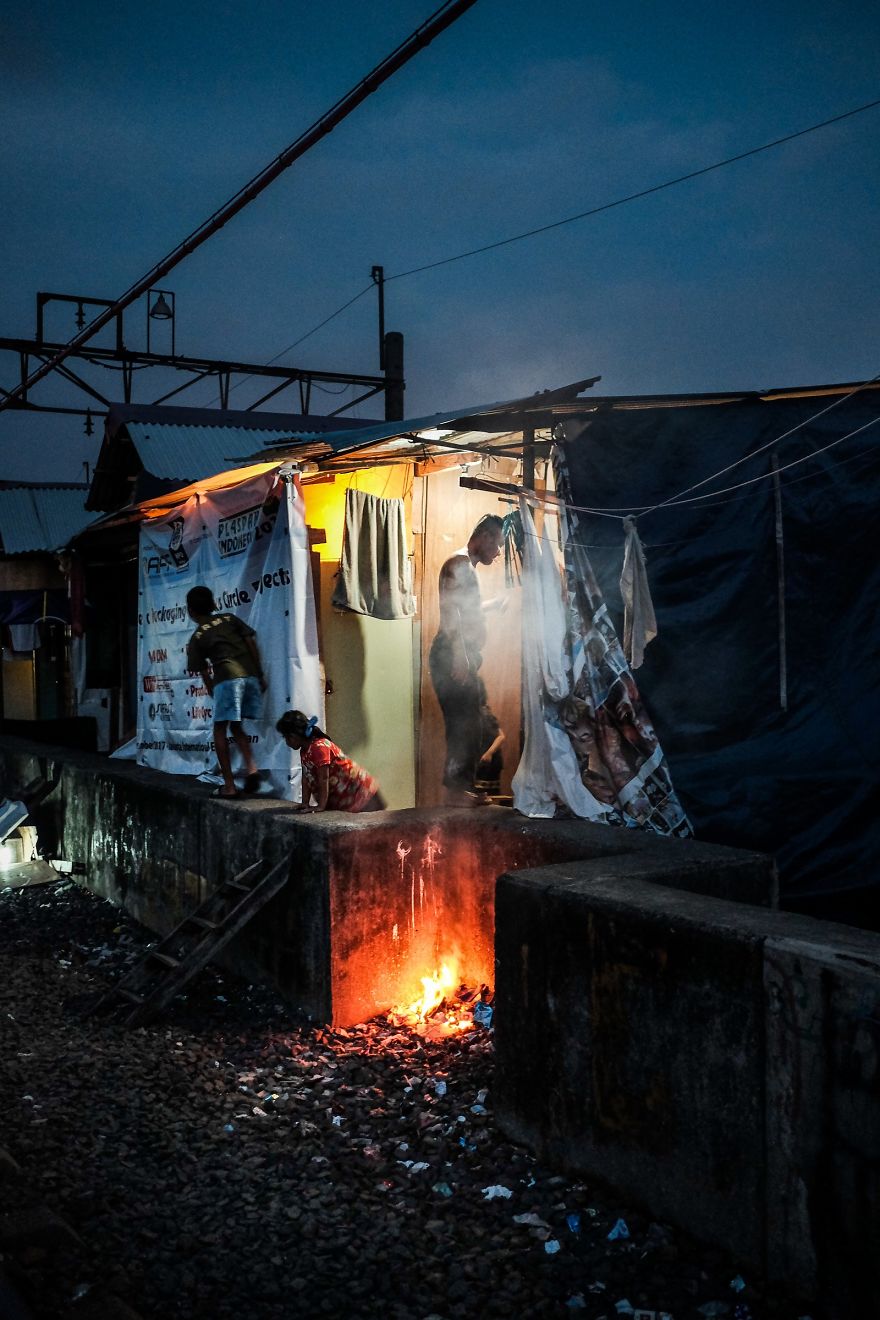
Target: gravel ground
[{"x": 224, "y": 1163}]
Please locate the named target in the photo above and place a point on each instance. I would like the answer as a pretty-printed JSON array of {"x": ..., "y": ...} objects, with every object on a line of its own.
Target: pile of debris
[{"x": 223, "y": 1162}]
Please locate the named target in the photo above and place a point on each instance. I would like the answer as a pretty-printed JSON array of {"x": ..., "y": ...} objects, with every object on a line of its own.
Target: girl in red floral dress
[{"x": 335, "y": 781}]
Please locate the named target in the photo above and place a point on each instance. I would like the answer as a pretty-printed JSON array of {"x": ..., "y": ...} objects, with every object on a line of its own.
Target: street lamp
[{"x": 159, "y": 309}]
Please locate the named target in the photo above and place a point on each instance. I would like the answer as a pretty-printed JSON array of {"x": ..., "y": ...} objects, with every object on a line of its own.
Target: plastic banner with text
[{"x": 249, "y": 544}]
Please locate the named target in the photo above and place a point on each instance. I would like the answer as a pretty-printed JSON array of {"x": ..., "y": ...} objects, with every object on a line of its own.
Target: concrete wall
[
  {"x": 718, "y": 1063},
  {"x": 370, "y": 714},
  {"x": 373, "y": 902},
  {"x": 368, "y": 662}
]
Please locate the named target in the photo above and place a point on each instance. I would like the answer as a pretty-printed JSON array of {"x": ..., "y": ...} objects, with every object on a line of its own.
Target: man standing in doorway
[
  {"x": 456, "y": 655},
  {"x": 223, "y": 649}
]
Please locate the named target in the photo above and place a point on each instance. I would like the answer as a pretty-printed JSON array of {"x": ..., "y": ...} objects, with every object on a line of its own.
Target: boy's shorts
[{"x": 238, "y": 699}]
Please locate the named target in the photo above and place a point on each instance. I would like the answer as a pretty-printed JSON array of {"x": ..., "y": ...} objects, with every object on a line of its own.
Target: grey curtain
[{"x": 375, "y": 576}]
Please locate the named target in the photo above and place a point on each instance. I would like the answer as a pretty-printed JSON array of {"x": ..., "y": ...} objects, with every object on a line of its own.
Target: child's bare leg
[
  {"x": 221, "y": 746},
  {"x": 243, "y": 743}
]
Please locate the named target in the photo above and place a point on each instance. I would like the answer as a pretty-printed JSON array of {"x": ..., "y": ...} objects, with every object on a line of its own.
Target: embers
[{"x": 444, "y": 1010}]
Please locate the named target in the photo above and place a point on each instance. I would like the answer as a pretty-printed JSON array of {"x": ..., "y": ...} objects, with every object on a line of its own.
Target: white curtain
[{"x": 548, "y": 773}]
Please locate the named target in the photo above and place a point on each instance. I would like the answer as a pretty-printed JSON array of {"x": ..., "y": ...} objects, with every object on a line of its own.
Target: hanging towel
[
  {"x": 639, "y": 623},
  {"x": 375, "y": 576}
]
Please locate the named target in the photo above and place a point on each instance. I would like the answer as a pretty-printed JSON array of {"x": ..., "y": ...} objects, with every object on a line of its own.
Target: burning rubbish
[{"x": 446, "y": 1007}]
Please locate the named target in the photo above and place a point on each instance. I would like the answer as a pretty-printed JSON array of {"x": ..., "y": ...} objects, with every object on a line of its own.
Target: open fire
[{"x": 446, "y": 1007}]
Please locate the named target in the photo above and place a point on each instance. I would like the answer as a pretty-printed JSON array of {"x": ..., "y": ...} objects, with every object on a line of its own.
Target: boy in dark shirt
[{"x": 223, "y": 649}]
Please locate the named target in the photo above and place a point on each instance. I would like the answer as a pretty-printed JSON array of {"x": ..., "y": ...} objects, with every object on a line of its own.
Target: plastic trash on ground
[
  {"x": 619, "y": 1231},
  {"x": 483, "y": 1015}
]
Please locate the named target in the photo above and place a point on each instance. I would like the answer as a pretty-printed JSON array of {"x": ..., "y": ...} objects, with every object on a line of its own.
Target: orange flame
[{"x": 435, "y": 989}]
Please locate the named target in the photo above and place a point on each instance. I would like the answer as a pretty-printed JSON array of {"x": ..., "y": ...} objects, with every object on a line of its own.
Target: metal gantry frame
[{"x": 127, "y": 361}]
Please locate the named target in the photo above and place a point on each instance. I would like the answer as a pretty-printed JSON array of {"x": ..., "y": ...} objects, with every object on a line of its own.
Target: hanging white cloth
[
  {"x": 548, "y": 773},
  {"x": 639, "y": 621},
  {"x": 375, "y": 576}
]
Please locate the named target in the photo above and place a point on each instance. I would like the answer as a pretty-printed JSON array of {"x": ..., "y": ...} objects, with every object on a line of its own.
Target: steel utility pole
[{"x": 441, "y": 19}]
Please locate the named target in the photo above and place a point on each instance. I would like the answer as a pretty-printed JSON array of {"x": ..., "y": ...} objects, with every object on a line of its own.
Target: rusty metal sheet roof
[{"x": 40, "y": 518}]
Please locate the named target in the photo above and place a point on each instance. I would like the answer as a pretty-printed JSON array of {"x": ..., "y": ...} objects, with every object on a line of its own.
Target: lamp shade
[{"x": 160, "y": 311}]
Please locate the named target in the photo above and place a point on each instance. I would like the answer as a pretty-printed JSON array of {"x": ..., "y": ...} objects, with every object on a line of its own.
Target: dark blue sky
[{"x": 125, "y": 127}]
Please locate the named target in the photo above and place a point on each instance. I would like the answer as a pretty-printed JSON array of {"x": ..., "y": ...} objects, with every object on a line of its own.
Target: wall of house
[{"x": 368, "y": 663}]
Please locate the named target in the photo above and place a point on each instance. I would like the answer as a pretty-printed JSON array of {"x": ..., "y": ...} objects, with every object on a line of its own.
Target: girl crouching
[{"x": 335, "y": 781}]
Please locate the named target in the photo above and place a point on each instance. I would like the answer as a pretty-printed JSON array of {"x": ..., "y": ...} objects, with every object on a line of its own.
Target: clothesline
[
  {"x": 556, "y": 502},
  {"x": 644, "y": 510}
]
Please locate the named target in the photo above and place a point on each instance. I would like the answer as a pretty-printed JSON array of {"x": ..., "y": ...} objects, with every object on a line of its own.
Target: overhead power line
[
  {"x": 441, "y": 19},
  {"x": 633, "y": 197},
  {"x": 584, "y": 215}
]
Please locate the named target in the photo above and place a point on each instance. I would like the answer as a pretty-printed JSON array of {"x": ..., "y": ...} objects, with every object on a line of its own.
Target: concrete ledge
[
  {"x": 715, "y": 1061},
  {"x": 373, "y": 902}
]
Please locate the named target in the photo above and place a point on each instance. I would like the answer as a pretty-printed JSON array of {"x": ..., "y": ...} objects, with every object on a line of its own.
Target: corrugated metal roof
[
  {"x": 34, "y": 518},
  {"x": 191, "y": 453},
  {"x": 362, "y": 437},
  {"x": 119, "y": 415}
]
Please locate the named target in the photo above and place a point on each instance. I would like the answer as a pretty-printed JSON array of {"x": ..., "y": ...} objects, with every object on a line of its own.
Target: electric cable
[
  {"x": 641, "y": 511},
  {"x": 582, "y": 215},
  {"x": 442, "y": 18},
  {"x": 674, "y": 499},
  {"x": 632, "y": 197}
]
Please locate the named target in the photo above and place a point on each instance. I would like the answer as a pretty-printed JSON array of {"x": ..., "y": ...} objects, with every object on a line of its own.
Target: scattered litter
[
  {"x": 596, "y": 1287},
  {"x": 465, "y": 1144},
  {"x": 619, "y": 1231},
  {"x": 492, "y": 1193},
  {"x": 531, "y": 1219},
  {"x": 712, "y": 1309},
  {"x": 483, "y": 1014},
  {"x": 624, "y": 1307},
  {"x": 443, "y": 1188},
  {"x": 576, "y": 1302},
  {"x": 479, "y": 1109},
  {"x": 440, "y": 1088},
  {"x": 551, "y": 1246},
  {"x": 738, "y": 1284},
  {"x": 80, "y": 1291},
  {"x": 574, "y": 1224},
  {"x": 228, "y": 1127},
  {"x": 337, "y": 1120}
]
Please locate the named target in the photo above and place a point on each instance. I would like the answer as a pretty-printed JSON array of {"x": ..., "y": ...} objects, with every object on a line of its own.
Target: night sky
[{"x": 125, "y": 126}]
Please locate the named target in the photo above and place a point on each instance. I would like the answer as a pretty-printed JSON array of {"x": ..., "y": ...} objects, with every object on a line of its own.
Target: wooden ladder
[{"x": 165, "y": 969}]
